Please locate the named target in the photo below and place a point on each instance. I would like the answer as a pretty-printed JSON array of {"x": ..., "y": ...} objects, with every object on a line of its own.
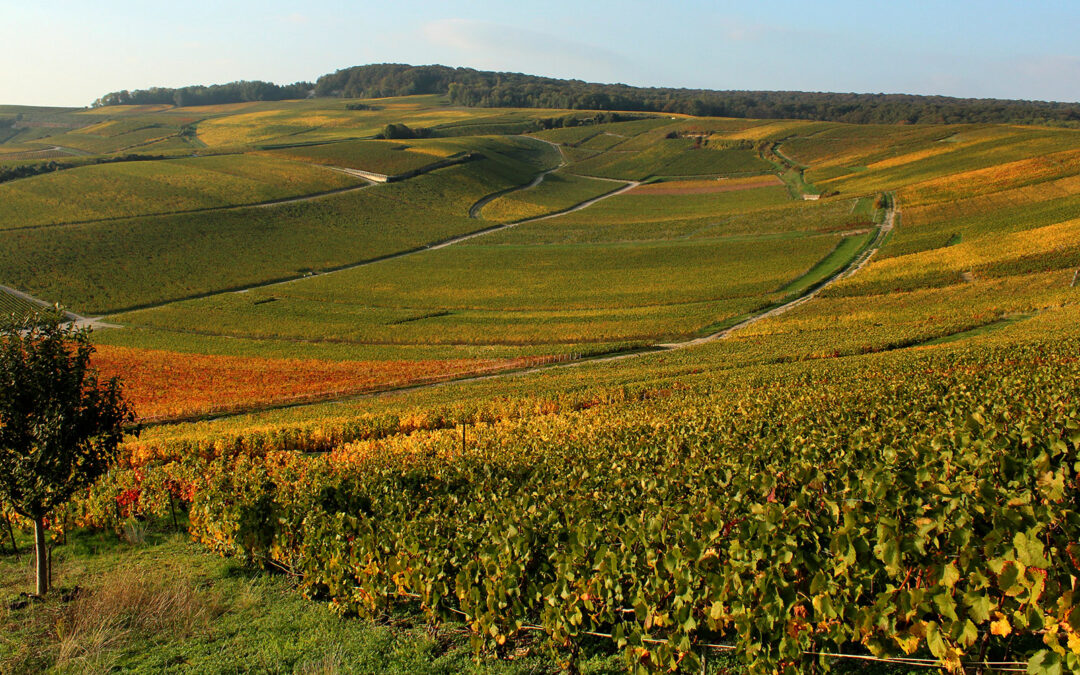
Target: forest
[{"x": 488, "y": 89}]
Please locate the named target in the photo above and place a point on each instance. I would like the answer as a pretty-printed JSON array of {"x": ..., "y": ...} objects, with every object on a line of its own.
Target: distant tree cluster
[
  {"x": 468, "y": 87},
  {"x": 476, "y": 88},
  {"x": 582, "y": 120},
  {"x": 27, "y": 170},
  {"x": 215, "y": 94},
  {"x": 388, "y": 79},
  {"x": 402, "y": 132}
]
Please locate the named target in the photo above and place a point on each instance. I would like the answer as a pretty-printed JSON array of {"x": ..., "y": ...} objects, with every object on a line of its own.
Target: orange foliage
[{"x": 164, "y": 384}]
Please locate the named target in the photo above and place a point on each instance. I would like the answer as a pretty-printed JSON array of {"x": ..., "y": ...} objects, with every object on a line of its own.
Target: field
[
  {"x": 254, "y": 382},
  {"x": 529, "y": 295},
  {"x": 558, "y": 192},
  {"x": 109, "y": 266},
  {"x": 390, "y": 158},
  {"x": 699, "y": 424},
  {"x": 13, "y": 305},
  {"x": 126, "y": 189}
]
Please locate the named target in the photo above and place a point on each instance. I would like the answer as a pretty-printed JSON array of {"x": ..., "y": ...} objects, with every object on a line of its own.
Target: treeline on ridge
[
  {"x": 476, "y": 88},
  {"x": 215, "y": 94},
  {"x": 8, "y": 173}
]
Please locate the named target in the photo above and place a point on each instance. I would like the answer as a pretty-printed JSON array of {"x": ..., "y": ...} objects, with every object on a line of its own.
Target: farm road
[
  {"x": 475, "y": 209},
  {"x": 854, "y": 266},
  {"x": 428, "y": 247},
  {"x": 78, "y": 320}
]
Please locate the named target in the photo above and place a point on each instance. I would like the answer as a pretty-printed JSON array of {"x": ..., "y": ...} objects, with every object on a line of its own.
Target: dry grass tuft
[
  {"x": 331, "y": 663},
  {"x": 129, "y": 604}
]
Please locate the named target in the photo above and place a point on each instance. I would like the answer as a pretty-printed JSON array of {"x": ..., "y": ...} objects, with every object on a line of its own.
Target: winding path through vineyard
[
  {"x": 809, "y": 294},
  {"x": 628, "y": 185}
]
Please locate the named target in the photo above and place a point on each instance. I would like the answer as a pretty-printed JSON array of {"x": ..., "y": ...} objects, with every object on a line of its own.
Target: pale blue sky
[{"x": 68, "y": 53}]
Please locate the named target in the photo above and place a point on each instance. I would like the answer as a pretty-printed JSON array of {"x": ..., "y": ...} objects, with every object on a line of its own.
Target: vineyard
[
  {"x": 836, "y": 489},
  {"x": 581, "y": 391},
  {"x": 126, "y": 189}
]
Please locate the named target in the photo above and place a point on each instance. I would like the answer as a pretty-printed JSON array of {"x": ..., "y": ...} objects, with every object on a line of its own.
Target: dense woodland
[
  {"x": 215, "y": 94},
  {"x": 477, "y": 88}
]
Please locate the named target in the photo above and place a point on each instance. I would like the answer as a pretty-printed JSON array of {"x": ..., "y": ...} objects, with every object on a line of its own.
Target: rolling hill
[{"x": 649, "y": 386}]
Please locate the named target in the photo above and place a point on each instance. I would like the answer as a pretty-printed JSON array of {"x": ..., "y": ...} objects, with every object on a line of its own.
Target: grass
[
  {"x": 840, "y": 257},
  {"x": 165, "y": 605},
  {"x": 985, "y": 329}
]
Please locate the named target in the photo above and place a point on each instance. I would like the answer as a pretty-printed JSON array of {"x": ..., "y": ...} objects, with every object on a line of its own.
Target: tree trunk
[
  {"x": 11, "y": 533},
  {"x": 42, "y": 553}
]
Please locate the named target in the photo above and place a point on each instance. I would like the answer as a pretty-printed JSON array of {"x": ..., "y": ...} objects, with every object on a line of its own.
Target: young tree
[{"x": 60, "y": 426}]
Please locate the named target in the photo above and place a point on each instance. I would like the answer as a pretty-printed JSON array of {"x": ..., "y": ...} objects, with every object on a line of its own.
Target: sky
[{"x": 68, "y": 53}]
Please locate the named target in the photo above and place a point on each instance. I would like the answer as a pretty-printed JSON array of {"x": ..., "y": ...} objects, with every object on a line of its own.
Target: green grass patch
[
  {"x": 164, "y": 604},
  {"x": 984, "y": 329},
  {"x": 840, "y": 257}
]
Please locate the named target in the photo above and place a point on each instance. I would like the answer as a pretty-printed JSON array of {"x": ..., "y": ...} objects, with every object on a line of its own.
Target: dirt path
[
  {"x": 367, "y": 183},
  {"x": 321, "y": 195},
  {"x": 475, "y": 209},
  {"x": 78, "y": 320},
  {"x": 854, "y": 266}
]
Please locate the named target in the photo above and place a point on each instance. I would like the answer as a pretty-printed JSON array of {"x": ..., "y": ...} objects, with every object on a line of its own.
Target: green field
[
  {"x": 108, "y": 266},
  {"x": 669, "y": 157},
  {"x": 528, "y": 294},
  {"x": 386, "y": 157},
  {"x": 125, "y": 189},
  {"x": 557, "y": 192}
]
